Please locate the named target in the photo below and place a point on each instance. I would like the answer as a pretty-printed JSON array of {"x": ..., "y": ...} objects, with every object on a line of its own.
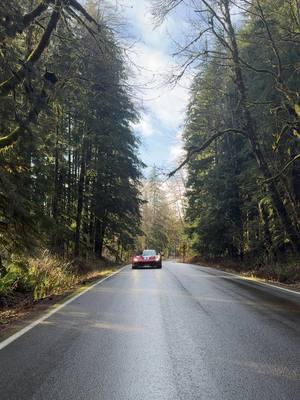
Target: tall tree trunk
[
  {"x": 266, "y": 230},
  {"x": 249, "y": 127},
  {"x": 100, "y": 228},
  {"x": 56, "y": 173},
  {"x": 80, "y": 198},
  {"x": 296, "y": 181},
  {"x": 69, "y": 192},
  {"x": 98, "y": 242}
]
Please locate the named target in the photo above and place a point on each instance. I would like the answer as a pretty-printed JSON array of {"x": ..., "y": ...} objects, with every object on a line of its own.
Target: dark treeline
[
  {"x": 240, "y": 204},
  {"x": 242, "y": 128},
  {"x": 69, "y": 170}
]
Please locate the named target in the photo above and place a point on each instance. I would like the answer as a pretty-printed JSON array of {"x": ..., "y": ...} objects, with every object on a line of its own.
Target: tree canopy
[
  {"x": 69, "y": 164},
  {"x": 70, "y": 172},
  {"x": 242, "y": 126}
]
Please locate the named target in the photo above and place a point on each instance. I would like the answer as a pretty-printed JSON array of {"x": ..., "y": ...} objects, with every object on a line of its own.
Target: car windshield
[{"x": 149, "y": 253}]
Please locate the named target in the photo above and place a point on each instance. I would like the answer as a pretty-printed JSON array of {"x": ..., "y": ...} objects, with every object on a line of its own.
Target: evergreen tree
[{"x": 69, "y": 169}]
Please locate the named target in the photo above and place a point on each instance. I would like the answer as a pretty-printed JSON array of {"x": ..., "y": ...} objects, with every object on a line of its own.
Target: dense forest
[
  {"x": 69, "y": 167},
  {"x": 242, "y": 128},
  {"x": 70, "y": 173},
  {"x": 162, "y": 225}
]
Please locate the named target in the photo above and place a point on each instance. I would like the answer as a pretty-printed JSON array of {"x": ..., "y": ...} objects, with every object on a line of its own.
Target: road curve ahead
[{"x": 183, "y": 332}]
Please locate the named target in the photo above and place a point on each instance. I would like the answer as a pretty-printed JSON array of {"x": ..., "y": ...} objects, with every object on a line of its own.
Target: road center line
[{"x": 27, "y": 328}]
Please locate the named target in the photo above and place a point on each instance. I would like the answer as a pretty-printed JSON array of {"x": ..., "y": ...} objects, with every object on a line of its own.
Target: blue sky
[
  {"x": 162, "y": 107},
  {"x": 149, "y": 54}
]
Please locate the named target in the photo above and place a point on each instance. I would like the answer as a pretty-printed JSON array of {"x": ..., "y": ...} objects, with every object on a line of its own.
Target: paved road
[{"x": 183, "y": 332}]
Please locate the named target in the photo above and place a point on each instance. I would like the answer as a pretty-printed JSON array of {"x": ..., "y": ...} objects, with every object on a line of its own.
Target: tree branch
[
  {"x": 196, "y": 150},
  {"x": 20, "y": 22},
  {"x": 32, "y": 15},
  {"x": 74, "y": 4},
  {"x": 294, "y": 159},
  {"x": 12, "y": 137},
  {"x": 19, "y": 76},
  {"x": 186, "y": 47},
  {"x": 283, "y": 131}
]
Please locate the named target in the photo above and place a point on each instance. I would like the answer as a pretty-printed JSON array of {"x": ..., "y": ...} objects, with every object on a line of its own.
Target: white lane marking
[
  {"x": 245, "y": 278},
  {"x": 27, "y": 328}
]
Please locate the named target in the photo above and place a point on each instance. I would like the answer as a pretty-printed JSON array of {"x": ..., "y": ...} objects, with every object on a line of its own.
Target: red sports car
[{"x": 149, "y": 258}]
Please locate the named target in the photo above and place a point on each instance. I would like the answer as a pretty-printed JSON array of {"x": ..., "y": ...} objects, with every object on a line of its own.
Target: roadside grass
[
  {"x": 287, "y": 272},
  {"x": 44, "y": 280}
]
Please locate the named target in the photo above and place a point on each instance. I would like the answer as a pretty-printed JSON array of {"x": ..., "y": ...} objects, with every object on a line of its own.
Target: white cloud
[
  {"x": 153, "y": 69},
  {"x": 144, "y": 127},
  {"x": 177, "y": 151},
  {"x": 139, "y": 21},
  {"x": 162, "y": 107}
]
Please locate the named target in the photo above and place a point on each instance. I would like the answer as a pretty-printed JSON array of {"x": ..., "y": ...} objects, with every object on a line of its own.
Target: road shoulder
[
  {"x": 251, "y": 277},
  {"x": 17, "y": 318}
]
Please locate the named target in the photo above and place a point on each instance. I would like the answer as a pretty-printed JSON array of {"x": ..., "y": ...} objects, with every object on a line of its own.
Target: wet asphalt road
[{"x": 183, "y": 332}]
